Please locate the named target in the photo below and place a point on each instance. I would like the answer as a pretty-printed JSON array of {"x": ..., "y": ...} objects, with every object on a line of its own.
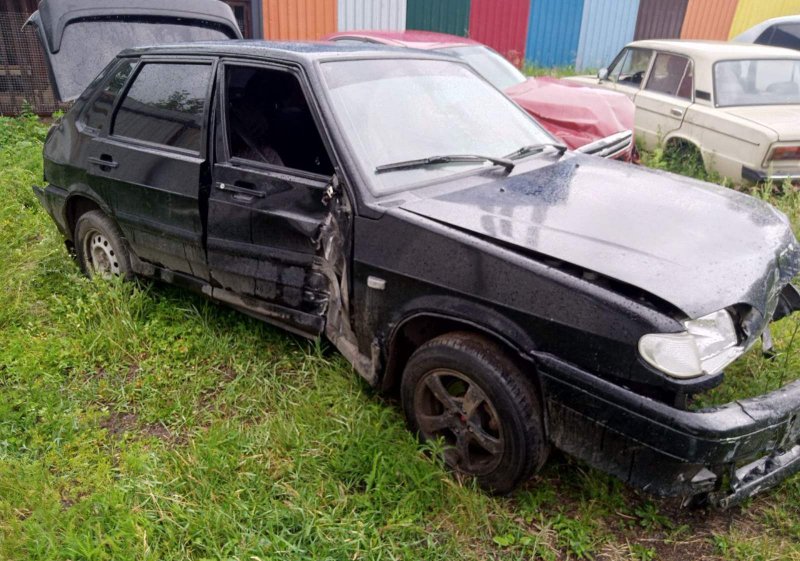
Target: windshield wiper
[
  {"x": 534, "y": 148},
  {"x": 454, "y": 158}
]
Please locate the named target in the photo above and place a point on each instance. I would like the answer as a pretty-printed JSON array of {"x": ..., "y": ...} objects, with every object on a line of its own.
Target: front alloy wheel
[
  {"x": 465, "y": 390},
  {"x": 451, "y": 406}
]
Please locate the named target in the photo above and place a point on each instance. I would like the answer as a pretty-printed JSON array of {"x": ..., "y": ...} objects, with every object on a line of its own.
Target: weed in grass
[
  {"x": 575, "y": 535},
  {"x": 642, "y": 553},
  {"x": 650, "y": 518}
]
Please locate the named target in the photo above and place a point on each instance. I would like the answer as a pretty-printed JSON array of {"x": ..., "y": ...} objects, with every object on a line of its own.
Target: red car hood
[{"x": 574, "y": 113}]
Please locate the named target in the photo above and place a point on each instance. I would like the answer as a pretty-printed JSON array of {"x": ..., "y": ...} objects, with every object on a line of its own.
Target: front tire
[
  {"x": 100, "y": 247},
  {"x": 465, "y": 390}
]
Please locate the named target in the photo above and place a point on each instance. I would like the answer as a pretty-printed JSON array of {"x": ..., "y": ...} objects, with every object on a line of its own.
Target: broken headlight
[{"x": 708, "y": 345}]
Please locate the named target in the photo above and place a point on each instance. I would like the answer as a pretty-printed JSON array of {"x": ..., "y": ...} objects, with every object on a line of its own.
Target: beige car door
[
  {"x": 628, "y": 71},
  {"x": 667, "y": 94}
]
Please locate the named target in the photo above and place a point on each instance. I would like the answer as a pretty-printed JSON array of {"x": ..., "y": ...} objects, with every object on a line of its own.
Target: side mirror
[{"x": 602, "y": 74}]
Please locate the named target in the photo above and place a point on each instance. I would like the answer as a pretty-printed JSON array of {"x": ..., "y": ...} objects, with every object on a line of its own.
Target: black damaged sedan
[{"x": 519, "y": 297}]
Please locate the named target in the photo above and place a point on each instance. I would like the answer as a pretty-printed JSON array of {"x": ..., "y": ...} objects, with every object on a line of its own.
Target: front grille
[{"x": 610, "y": 146}]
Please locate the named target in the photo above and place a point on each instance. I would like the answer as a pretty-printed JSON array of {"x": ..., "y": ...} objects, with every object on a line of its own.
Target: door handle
[
  {"x": 676, "y": 112},
  {"x": 104, "y": 161},
  {"x": 239, "y": 189}
]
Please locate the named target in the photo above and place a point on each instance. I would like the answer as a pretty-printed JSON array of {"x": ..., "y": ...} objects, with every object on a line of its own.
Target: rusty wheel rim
[
  {"x": 452, "y": 407},
  {"x": 101, "y": 257}
]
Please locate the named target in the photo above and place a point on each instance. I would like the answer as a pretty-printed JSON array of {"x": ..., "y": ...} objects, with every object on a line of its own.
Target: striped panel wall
[
  {"x": 606, "y": 26},
  {"x": 586, "y": 33},
  {"x": 554, "y": 28},
  {"x": 387, "y": 15}
]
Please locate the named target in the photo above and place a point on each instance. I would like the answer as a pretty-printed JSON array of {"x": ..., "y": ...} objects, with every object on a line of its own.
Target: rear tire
[
  {"x": 100, "y": 247},
  {"x": 464, "y": 389}
]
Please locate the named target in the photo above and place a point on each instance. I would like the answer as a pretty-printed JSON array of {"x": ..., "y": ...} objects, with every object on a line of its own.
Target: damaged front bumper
[{"x": 727, "y": 453}]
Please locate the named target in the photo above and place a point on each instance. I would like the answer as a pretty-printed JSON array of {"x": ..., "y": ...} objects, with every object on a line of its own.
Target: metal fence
[{"x": 24, "y": 85}]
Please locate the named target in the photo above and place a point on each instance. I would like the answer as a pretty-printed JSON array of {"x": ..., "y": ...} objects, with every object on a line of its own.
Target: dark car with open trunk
[{"x": 518, "y": 295}]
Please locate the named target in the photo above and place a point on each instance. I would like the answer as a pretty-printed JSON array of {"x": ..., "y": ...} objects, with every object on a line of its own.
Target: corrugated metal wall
[
  {"x": 606, "y": 27},
  {"x": 751, "y": 12},
  {"x": 445, "y": 16},
  {"x": 372, "y": 14},
  {"x": 660, "y": 19},
  {"x": 554, "y": 28},
  {"x": 501, "y": 24},
  {"x": 298, "y": 20},
  {"x": 587, "y": 33},
  {"x": 708, "y": 19}
]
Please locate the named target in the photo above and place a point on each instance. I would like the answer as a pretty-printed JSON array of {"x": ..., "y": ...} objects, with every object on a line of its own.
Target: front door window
[
  {"x": 269, "y": 121},
  {"x": 630, "y": 68}
]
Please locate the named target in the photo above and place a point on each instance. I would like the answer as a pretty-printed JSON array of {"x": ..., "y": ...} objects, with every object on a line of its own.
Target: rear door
[
  {"x": 668, "y": 92},
  {"x": 267, "y": 204},
  {"x": 80, "y": 37},
  {"x": 151, "y": 166}
]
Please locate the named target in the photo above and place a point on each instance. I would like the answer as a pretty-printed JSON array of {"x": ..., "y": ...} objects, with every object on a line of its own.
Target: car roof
[
  {"x": 711, "y": 51},
  {"x": 755, "y": 32},
  {"x": 288, "y": 50},
  {"x": 426, "y": 40}
]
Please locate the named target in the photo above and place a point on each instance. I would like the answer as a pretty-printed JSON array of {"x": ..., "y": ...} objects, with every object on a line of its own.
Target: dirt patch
[
  {"x": 688, "y": 533},
  {"x": 634, "y": 525},
  {"x": 133, "y": 372},
  {"x": 119, "y": 423},
  {"x": 158, "y": 431}
]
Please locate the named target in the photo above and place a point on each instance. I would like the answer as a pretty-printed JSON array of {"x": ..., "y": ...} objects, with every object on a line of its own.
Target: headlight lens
[{"x": 708, "y": 345}]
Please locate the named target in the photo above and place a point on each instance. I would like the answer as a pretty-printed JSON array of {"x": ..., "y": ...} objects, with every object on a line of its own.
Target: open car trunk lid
[{"x": 80, "y": 37}]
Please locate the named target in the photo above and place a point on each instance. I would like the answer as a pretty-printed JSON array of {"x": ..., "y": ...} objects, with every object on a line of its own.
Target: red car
[{"x": 586, "y": 119}]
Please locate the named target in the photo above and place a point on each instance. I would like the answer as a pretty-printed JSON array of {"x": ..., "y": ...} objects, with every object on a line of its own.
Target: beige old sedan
[{"x": 739, "y": 105}]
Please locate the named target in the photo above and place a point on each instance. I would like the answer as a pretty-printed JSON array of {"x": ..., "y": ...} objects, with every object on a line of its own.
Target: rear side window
[
  {"x": 671, "y": 75},
  {"x": 166, "y": 105},
  {"x": 98, "y": 113},
  {"x": 782, "y": 35}
]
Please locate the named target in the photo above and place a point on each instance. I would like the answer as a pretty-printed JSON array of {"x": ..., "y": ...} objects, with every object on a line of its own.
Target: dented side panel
[{"x": 262, "y": 244}]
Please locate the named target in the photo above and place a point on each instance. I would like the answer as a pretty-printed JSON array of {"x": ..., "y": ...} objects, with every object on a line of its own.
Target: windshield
[
  {"x": 501, "y": 73},
  {"x": 757, "y": 82},
  {"x": 392, "y": 110}
]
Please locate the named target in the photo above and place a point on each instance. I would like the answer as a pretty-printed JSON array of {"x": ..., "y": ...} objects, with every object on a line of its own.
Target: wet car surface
[
  {"x": 587, "y": 119},
  {"x": 519, "y": 296}
]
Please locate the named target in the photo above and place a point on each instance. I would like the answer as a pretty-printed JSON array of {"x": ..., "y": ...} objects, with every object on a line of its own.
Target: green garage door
[{"x": 445, "y": 16}]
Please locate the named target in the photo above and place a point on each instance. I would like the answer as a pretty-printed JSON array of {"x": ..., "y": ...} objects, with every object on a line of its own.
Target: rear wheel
[
  {"x": 100, "y": 247},
  {"x": 464, "y": 390}
]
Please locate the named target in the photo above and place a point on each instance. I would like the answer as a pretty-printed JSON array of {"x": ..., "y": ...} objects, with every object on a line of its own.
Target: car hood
[
  {"x": 784, "y": 120},
  {"x": 698, "y": 246},
  {"x": 575, "y": 113}
]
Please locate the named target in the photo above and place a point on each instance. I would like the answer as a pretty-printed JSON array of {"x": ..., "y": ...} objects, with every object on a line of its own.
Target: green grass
[
  {"x": 554, "y": 72},
  {"x": 140, "y": 422}
]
